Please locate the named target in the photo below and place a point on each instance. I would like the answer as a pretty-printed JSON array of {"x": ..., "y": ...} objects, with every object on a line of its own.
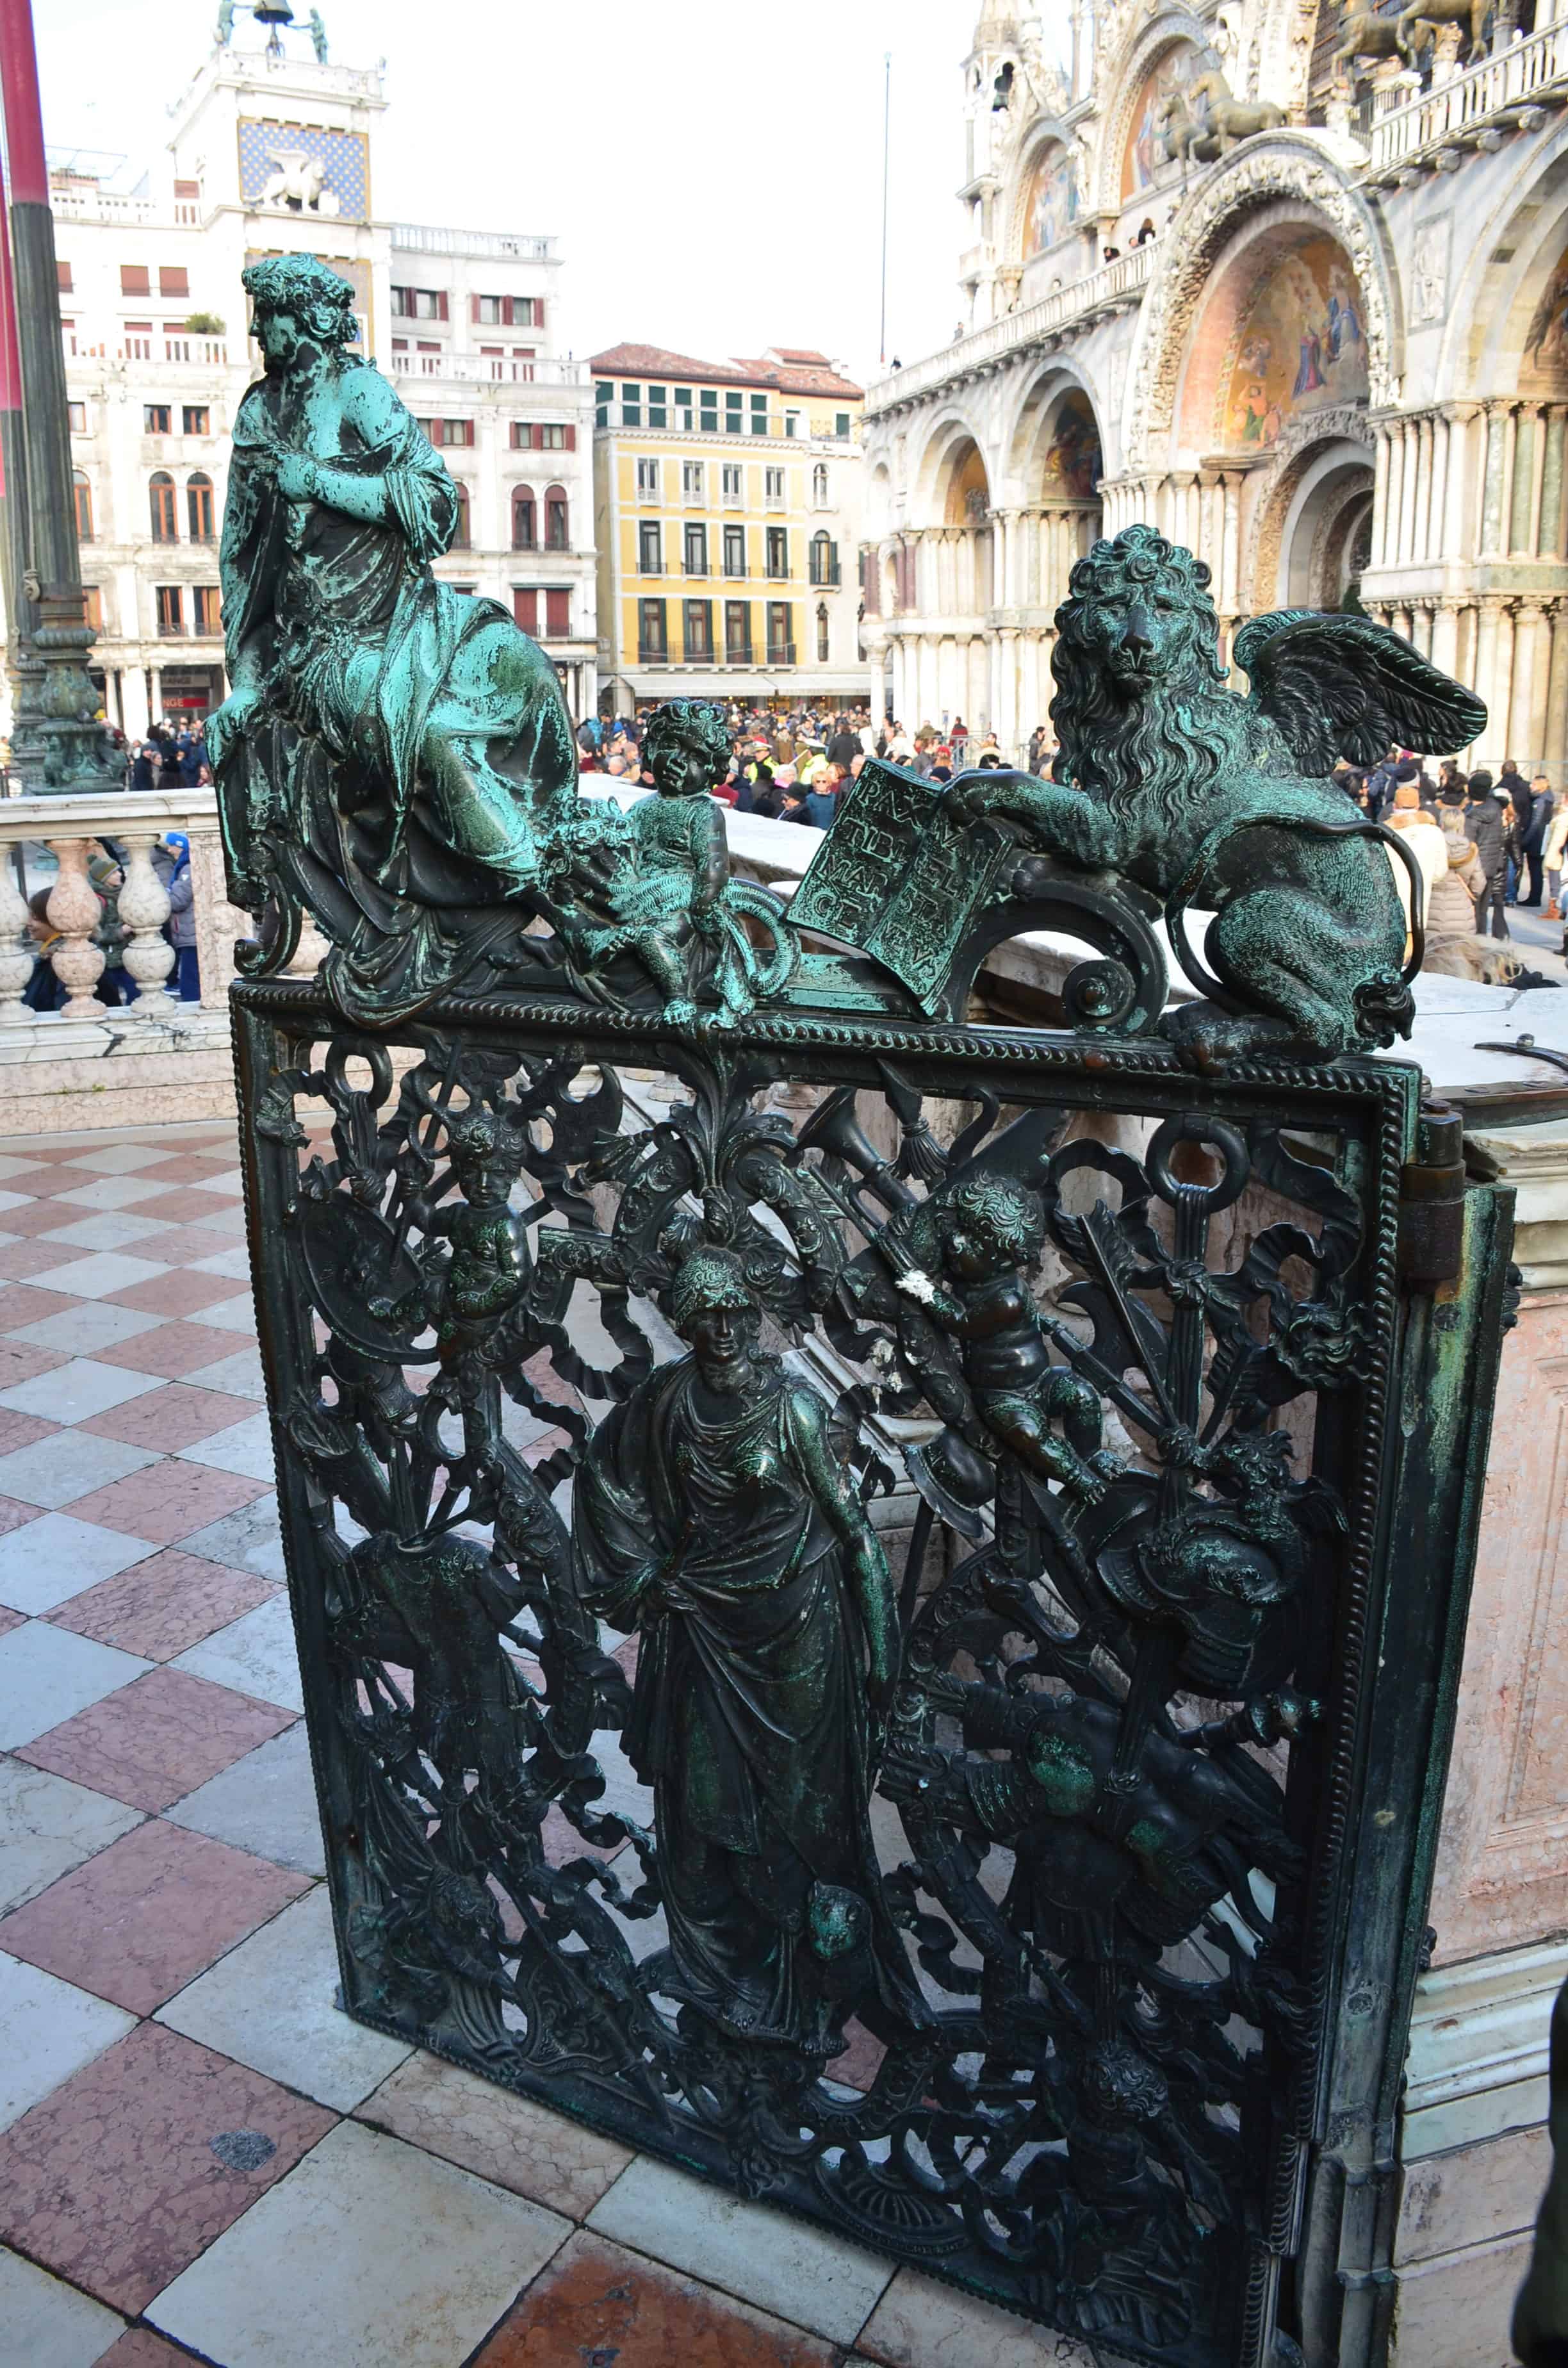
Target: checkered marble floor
[{"x": 199, "y": 2156}]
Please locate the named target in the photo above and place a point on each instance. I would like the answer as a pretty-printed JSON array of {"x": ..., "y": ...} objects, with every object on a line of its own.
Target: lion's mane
[{"x": 1150, "y": 752}]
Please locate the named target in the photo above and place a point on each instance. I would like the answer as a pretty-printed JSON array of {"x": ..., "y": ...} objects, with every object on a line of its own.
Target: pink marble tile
[
  {"x": 18, "y": 1259},
  {"x": 157, "y": 1738},
  {"x": 179, "y": 1292},
  {"x": 129, "y": 2169},
  {"x": 13, "y": 1514},
  {"x": 171, "y": 1349},
  {"x": 168, "y": 1602},
  {"x": 42, "y": 1216},
  {"x": 145, "y": 1916},
  {"x": 10, "y": 1618},
  {"x": 168, "y": 1500},
  {"x": 20, "y": 1304},
  {"x": 22, "y": 1430},
  {"x": 178, "y": 1207},
  {"x": 21, "y": 1362},
  {"x": 170, "y": 1420},
  {"x": 142, "y": 2346}
]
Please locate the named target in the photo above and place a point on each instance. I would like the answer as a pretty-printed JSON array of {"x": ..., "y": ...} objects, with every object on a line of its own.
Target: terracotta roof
[{"x": 788, "y": 369}]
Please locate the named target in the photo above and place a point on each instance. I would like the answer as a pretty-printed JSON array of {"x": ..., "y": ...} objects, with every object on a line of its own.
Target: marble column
[
  {"x": 1395, "y": 496},
  {"x": 1499, "y": 429},
  {"x": 1549, "y": 541},
  {"x": 1485, "y": 673},
  {"x": 1409, "y": 434},
  {"x": 1446, "y": 637},
  {"x": 1233, "y": 545},
  {"x": 1422, "y": 548},
  {"x": 1520, "y": 481},
  {"x": 1462, "y": 471},
  {"x": 1527, "y": 708},
  {"x": 1538, "y": 477},
  {"x": 1380, "y": 466},
  {"x": 1557, "y": 692}
]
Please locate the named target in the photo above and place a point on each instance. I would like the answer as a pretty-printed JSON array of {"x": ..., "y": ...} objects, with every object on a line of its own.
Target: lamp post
[{"x": 58, "y": 744}]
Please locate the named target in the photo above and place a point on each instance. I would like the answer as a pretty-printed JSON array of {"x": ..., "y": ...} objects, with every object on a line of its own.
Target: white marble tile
[
  {"x": 341, "y": 2262},
  {"x": 94, "y": 1276},
  {"x": 119, "y": 1158},
  {"x": 48, "y": 1825},
  {"x": 107, "y": 1231},
  {"x": 11, "y": 1170},
  {"x": 111, "y": 1192},
  {"x": 270, "y": 2003},
  {"x": 240, "y": 1374},
  {"x": 71, "y": 1392},
  {"x": 69, "y": 1463},
  {"x": 47, "y": 1675},
  {"x": 245, "y": 1447},
  {"x": 16, "y": 1200},
  {"x": 919, "y": 2323},
  {"x": 46, "y": 1562},
  {"x": 265, "y": 1804},
  {"x": 779, "y": 2263},
  {"x": 83, "y": 1331},
  {"x": 235, "y": 1262},
  {"x": 236, "y": 1314},
  {"x": 51, "y": 2029},
  {"x": 230, "y": 1186},
  {"x": 255, "y": 1655},
  {"x": 248, "y": 1539},
  {"x": 47, "y": 2324}
]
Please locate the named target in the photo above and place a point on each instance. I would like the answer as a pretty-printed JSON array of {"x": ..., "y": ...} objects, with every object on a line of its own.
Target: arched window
[
  {"x": 822, "y": 632},
  {"x": 823, "y": 556},
  {"x": 161, "y": 500},
  {"x": 819, "y": 485},
  {"x": 84, "y": 493},
  {"x": 462, "y": 539},
  {"x": 525, "y": 519},
  {"x": 199, "y": 507},
  {"x": 557, "y": 519}
]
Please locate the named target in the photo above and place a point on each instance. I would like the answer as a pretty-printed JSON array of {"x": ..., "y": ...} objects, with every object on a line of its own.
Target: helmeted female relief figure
[{"x": 713, "y": 1514}]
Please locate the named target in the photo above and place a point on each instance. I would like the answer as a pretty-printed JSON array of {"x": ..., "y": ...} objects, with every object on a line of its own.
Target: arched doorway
[{"x": 965, "y": 590}]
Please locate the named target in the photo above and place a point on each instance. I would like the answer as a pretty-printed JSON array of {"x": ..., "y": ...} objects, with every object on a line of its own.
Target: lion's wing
[{"x": 1340, "y": 686}]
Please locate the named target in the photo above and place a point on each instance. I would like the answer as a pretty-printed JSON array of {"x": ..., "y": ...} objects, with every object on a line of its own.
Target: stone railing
[
  {"x": 1110, "y": 283},
  {"x": 485, "y": 368},
  {"x": 500, "y": 246},
  {"x": 1485, "y": 99},
  {"x": 94, "y": 1065}
]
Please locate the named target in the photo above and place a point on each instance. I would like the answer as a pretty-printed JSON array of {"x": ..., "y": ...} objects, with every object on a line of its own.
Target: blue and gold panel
[{"x": 304, "y": 169}]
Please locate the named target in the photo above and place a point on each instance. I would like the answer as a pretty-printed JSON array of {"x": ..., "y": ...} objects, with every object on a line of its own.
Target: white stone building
[
  {"x": 1337, "y": 364},
  {"x": 270, "y": 154}
]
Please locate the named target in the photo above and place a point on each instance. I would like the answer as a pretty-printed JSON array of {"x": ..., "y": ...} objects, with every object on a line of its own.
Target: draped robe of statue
[
  {"x": 412, "y": 764},
  {"x": 749, "y": 1718}
]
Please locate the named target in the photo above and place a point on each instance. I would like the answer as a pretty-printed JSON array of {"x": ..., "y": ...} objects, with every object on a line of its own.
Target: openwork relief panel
[{"x": 823, "y": 1571}]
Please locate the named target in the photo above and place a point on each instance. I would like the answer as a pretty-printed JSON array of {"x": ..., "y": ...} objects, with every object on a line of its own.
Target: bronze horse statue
[
  {"x": 1182, "y": 137},
  {"x": 1422, "y": 21},
  {"x": 1364, "y": 34},
  {"x": 1228, "y": 120}
]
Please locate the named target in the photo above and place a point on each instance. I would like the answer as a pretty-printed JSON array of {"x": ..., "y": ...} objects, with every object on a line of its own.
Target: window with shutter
[
  {"x": 525, "y": 609},
  {"x": 173, "y": 281},
  {"x": 135, "y": 280},
  {"x": 558, "y": 613},
  {"x": 62, "y": 276}
]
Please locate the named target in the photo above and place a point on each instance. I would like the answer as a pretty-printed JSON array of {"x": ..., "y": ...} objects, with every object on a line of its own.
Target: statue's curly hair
[
  {"x": 708, "y": 1276},
  {"x": 1003, "y": 1212},
  {"x": 1159, "y": 748},
  {"x": 319, "y": 300},
  {"x": 680, "y": 725}
]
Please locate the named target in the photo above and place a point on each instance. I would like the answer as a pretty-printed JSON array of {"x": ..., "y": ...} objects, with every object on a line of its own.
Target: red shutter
[
  {"x": 536, "y": 436},
  {"x": 473, "y": 308},
  {"x": 525, "y": 609},
  {"x": 62, "y": 278},
  {"x": 441, "y": 312},
  {"x": 557, "y": 614},
  {"x": 173, "y": 281},
  {"x": 571, "y": 439},
  {"x": 134, "y": 279}
]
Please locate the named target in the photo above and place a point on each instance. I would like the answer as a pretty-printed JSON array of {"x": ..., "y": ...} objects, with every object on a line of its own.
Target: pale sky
[{"x": 713, "y": 172}]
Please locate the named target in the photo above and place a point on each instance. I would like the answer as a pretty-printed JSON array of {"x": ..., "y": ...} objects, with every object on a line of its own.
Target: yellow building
[{"x": 727, "y": 521}]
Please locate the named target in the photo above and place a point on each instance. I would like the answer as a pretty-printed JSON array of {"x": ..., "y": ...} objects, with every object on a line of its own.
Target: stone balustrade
[
  {"x": 1462, "y": 112},
  {"x": 1112, "y": 283},
  {"x": 92, "y": 1064}
]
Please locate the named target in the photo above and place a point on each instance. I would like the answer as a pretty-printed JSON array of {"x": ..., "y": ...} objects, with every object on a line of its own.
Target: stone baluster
[
  {"x": 17, "y": 950},
  {"x": 148, "y": 955},
  {"x": 75, "y": 910}
]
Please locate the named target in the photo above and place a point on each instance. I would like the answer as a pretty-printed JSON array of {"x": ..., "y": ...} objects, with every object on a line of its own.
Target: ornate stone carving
[{"x": 1284, "y": 170}]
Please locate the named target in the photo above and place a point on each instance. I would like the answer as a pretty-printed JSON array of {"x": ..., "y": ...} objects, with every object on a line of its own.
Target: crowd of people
[
  {"x": 796, "y": 767},
  {"x": 1506, "y": 836}
]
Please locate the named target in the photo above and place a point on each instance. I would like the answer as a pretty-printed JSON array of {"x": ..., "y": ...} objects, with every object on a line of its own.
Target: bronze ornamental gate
[
  {"x": 960, "y": 1759},
  {"x": 879, "y": 1597}
]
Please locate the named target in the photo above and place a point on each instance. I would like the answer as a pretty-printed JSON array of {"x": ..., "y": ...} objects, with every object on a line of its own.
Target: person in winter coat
[
  {"x": 144, "y": 766},
  {"x": 1554, "y": 848},
  {"x": 1484, "y": 829},
  {"x": 1533, "y": 838},
  {"x": 181, "y": 923}
]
